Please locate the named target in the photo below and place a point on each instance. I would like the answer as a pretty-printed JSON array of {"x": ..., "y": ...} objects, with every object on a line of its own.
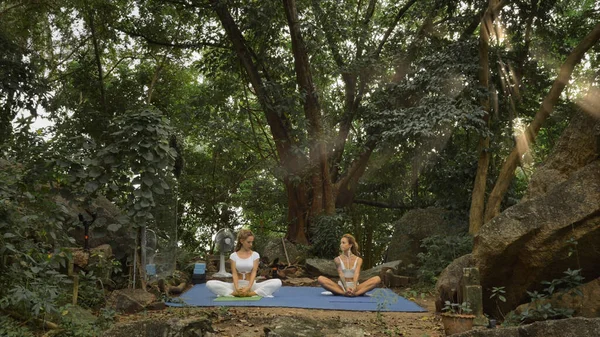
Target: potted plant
[{"x": 456, "y": 317}]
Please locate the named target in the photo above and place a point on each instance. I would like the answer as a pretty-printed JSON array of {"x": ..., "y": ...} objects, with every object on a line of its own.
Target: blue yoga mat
[{"x": 380, "y": 299}]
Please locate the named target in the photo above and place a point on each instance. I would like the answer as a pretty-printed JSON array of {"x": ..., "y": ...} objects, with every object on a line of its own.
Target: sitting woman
[
  {"x": 348, "y": 267},
  {"x": 244, "y": 265}
]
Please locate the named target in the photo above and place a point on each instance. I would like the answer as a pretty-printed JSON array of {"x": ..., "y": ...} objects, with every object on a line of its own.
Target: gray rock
[
  {"x": 578, "y": 146},
  {"x": 569, "y": 327},
  {"x": 351, "y": 331},
  {"x": 112, "y": 226},
  {"x": 130, "y": 300},
  {"x": 292, "y": 327},
  {"x": 274, "y": 250},
  {"x": 527, "y": 243},
  {"x": 188, "y": 327},
  {"x": 376, "y": 271},
  {"x": 448, "y": 283},
  {"x": 414, "y": 226},
  {"x": 318, "y": 267},
  {"x": 78, "y": 316}
]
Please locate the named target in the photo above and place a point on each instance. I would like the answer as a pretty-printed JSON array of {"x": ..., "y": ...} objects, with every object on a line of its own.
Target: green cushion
[{"x": 229, "y": 299}]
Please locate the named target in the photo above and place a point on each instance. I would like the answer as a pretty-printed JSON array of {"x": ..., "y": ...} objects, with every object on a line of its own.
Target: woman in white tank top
[
  {"x": 348, "y": 267},
  {"x": 244, "y": 265}
]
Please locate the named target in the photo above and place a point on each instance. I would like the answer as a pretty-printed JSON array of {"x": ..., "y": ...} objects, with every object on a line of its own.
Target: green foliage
[
  {"x": 543, "y": 311},
  {"x": 457, "y": 308},
  {"x": 440, "y": 251},
  {"x": 31, "y": 253},
  {"x": 138, "y": 160},
  {"x": 540, "y": 308},
  {"x": 327, "y": 231},
  {"x": 21, "y": 86},
  {"x": 384, "y": 300},
  {"x": 498, "y": 293},
  {"x": 91, "y": 294},
  {"x": 571, "y": 280},
  {"x": 11, "y": 328}
]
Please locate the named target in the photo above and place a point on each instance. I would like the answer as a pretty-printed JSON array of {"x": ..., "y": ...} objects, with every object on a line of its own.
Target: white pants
[
  {"x": 349, "y": 284},
  {"x": 264, "y": 289}
]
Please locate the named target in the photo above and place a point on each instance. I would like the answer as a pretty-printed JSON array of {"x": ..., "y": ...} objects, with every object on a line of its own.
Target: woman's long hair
[
  {"x": 352, "y": 241},
  {"x": 243, "y": 234}
]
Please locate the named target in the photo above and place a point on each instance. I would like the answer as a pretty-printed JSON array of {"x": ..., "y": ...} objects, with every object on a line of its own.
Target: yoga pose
[
  {"x": 244, "y": 264},
  {"x": 348, "y": 267}
]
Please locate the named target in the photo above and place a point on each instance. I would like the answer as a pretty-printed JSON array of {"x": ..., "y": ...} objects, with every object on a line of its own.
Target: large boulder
[
  {"x": 448, "y": 283},
  {"x": 274, "y": 249},
  {"x": 318, "y": 267},
  {"x": 130, "y": 301},
  {"x": 529, "y": 242},
  {"x": 376, "y": 271},
  {"x": 111, "y": 226},
  {"x": 414, "y": 226},
  {"x": 578, "y": 146}
]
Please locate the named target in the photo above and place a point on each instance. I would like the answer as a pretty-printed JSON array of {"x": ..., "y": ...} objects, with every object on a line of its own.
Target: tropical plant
[{"x": 451, "y": 308}]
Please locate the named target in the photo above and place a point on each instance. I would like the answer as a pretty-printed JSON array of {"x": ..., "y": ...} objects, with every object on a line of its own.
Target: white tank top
[
  {"x": 348, "y": 273},
  {"x": 244, "y": 266}
]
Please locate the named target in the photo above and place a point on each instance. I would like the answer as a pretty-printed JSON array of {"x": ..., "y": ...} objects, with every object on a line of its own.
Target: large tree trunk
[
  {"x": 479, "y": 186},
  {"x": 528, "y": 137},
  {"x": 298, "y": 213}
]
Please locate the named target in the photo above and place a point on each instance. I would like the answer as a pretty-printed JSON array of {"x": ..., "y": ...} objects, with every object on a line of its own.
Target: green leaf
[
  {"x": 148, "y": 156},
  {"x": 148, "y": 181},
  {"x": 95, "y": 172},
  {"x": 157, "y": 189},
  {"x": 109, "y": 159},
  {"x": 91, "y": 186},
  {"x": 114, "y": 227}
]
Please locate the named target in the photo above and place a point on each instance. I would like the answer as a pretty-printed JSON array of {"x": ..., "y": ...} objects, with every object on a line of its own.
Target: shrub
[
  {"x": 440, "y": 251},
  {"x": 326, "y": 234}
]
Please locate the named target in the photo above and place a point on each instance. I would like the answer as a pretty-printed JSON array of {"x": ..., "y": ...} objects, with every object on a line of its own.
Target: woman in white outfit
[
  {"x": 244, "y": 265},
  {"x": 348, "y": 267}
]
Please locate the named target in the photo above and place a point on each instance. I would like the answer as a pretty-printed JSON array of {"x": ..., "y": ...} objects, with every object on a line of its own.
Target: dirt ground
[{"x": 251, "y": 321}]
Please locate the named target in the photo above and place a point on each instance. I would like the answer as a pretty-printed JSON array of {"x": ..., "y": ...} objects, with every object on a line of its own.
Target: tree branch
[
  {"x": 528, "y": 137},
  {"x": 353, "y": 99},
  {"x": 12, "y": 7},
  {"x": 277, "y": 121},
  {"x": 98, "y": 61},
  {"x": 391, "y": 28},
  {"x": 386, "y": 205},
  {"x": 185, "y": 45},
  {"x": 346, "y": 186}
]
